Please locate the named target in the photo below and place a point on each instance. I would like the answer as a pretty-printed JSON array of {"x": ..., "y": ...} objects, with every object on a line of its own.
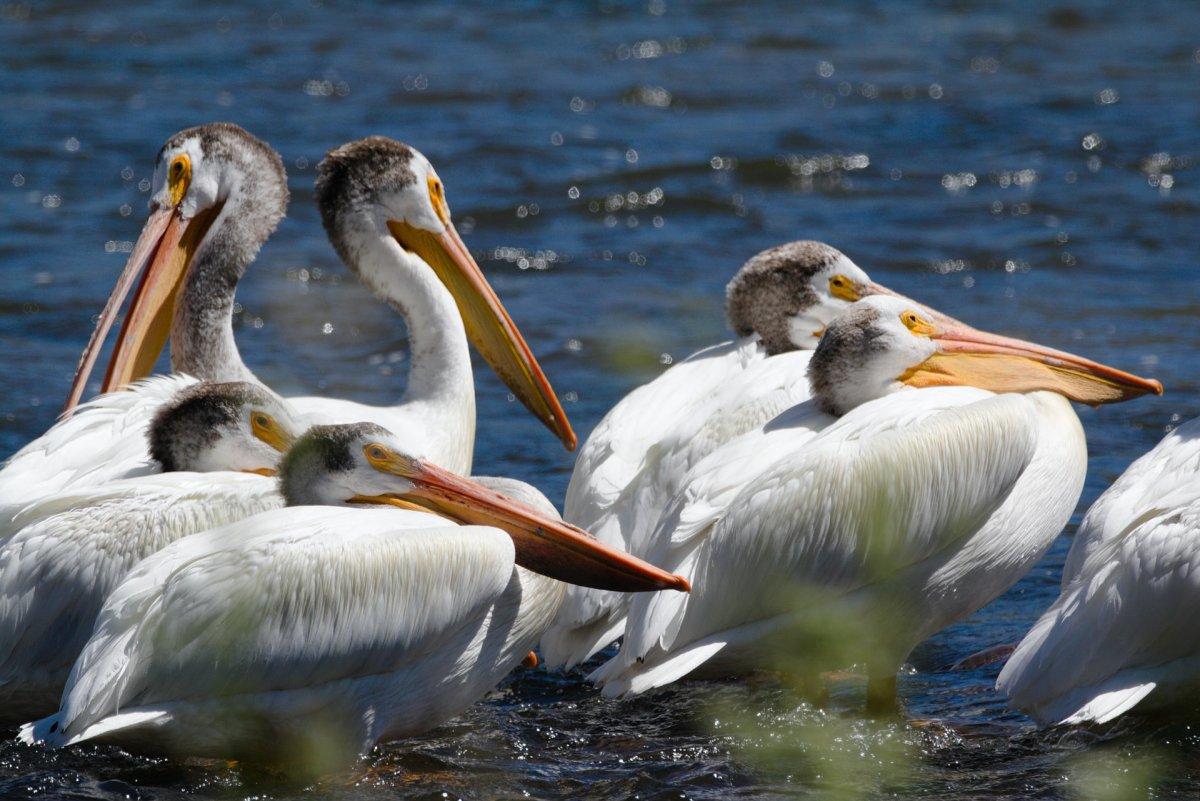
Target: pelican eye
[
  {"x": 437, "y": 196},
  {"x": 262, "y": 423},
  {"x": 917, "y": 324},
  {"x": 179, "y": 177},
  {"x": 843, "y": 288},
  {"x": 376, "y": 453},
  {"x": 264, "y": 428}
]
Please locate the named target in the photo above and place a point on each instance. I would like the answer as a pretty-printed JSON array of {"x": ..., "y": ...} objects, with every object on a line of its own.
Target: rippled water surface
[{"x": 1027, "y": 166}]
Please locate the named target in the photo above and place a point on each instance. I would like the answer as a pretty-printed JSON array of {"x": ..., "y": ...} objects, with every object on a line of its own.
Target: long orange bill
[
  {"x": 489, "y": 326},
  {"x": 162, "y": 255},
  {"x": 1002, "y": 364},
  {"x": 972, "y": 340},
  {"x": 161, "y": 226},
  {"x": 543, "y": 544}
]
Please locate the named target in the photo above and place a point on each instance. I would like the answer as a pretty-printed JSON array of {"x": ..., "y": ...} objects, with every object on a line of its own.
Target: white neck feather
[{"x": 439, "y": 373}]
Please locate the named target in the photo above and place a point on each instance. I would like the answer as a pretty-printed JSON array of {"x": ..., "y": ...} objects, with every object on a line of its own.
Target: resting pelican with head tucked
[
  {"x": 217, "y": 445},
  {"x": 321, "y": 625},
  {"x": 219, "y": 193},
  {"x": 1122, "y": 632},
  {"x": 953, "y": 462},
  {"x": 635, "y": 459}
]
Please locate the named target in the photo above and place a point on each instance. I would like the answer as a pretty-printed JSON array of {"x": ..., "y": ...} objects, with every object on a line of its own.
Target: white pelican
[
  {"x": 216, "y": 444},
  {"x": 218, "y": 194},
  {"x": 312, "y": 628},
  {"x": 1122, "y": 632},
  {"x": 385, "y": 212},
  {"x": 635, "y": 459},
  {"x": 913, "y": 509}
]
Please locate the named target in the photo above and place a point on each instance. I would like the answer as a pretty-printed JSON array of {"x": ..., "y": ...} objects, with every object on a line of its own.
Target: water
[{"x": 1025, "y": 166}]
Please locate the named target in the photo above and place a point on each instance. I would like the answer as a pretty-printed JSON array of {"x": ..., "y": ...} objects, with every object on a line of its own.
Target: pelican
[
  {"x": 319, "y": 626},
  {"x": 1119, "y": 635},
  {"x": 633, "y": 462},
  {"x": 384, "y": 209},
  {"x": 219, "y": 194},
  {"x": 217, "y": 445},
  {"x": 948, "y": 462}
]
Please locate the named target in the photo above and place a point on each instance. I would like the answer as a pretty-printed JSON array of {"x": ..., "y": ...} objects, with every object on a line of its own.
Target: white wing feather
[
  {"x": 75, "y": 547},
  {"x": 1116, "y": 631},
  {"x": 1160, "y": 480},
  {"x": 843, "y": 513},
  {"x": 620, "y": 456},
  {"x": 617, "y": 448},
  {"x": 653, "y": 437},
  {"x": 742, "y": 404},
  {"x": 287, "y": 599},
  {"x": 103, "y": 440}
]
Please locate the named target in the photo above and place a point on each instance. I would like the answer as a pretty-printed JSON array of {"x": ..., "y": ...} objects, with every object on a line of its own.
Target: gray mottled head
[
  {"x": 242, "y": 180},
  {"x": 363, "y": 184},
  {"x": 327, "y": 466},
  {"x": 229, "y": 166},
  {"x": 228, "y": 426},
  {"x": 789, "y": 293},
  {"x": 865, "y": 351}
]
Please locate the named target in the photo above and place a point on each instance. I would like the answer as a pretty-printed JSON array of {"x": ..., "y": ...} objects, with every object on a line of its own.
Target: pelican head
[
  {"x": 218, "y": 193},
  {"x": 380, "y": 187},
  {"x": 789, "y": 293},
  {"x": 228, "y": 426},
  {"x": 882, "y": 344},
  {"x": 362, "y": 463}
]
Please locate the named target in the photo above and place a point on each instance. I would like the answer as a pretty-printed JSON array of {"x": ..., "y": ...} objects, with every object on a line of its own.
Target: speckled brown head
[
  {"x": 320, "y": 467},
  {"x": 222, "y": 426},
  {"x": 789, "y": 293},
  {"x": 356, "y": 179}
]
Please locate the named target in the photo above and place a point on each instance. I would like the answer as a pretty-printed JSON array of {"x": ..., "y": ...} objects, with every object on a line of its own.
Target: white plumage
[
  {"x": 71, "y": 549},
  {"x": 631, "y": 465},
  {"x": 928, "y": 497},
  {"x": 1121, "y": 633},
  {"x": 918, "y": 508},
  {"x": 303, "y": 629},
  {"x": 308, "y": 633},
  {"x": 636, "y": 458},
  {"x": 1162, "y": 479},
  {"x": 104, "y": 440}
]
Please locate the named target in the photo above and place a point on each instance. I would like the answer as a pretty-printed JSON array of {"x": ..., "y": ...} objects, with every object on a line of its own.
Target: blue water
[{"x": 1027, "y": 166}]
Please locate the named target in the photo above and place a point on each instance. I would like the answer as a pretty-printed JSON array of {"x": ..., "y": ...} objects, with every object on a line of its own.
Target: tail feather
[
  {"x": 1096, "y": 704},
  {"x": 42, "y": 732},
  {"x": 49, "y": 731},
  {"x": 118, "y": 722},
  {"x": 619, "y": 677},
  {"x": 644, "y": 676}
]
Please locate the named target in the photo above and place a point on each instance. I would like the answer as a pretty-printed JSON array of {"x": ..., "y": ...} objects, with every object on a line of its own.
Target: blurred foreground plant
[{"x": 791, "y": 734}]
